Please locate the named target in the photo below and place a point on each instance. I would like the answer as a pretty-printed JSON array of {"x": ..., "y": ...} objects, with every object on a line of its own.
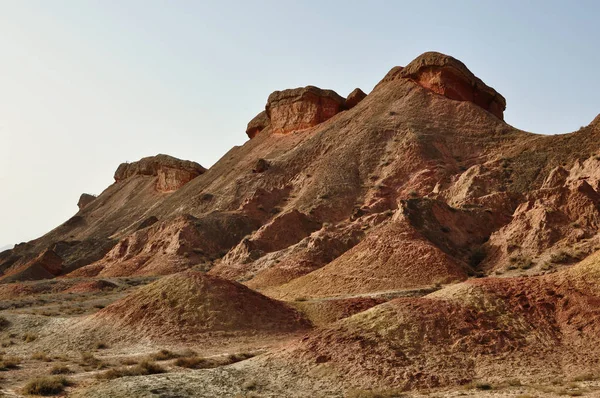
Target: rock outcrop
[
  {"x": 301, "y": 108},
  {"x": 171, "y": 173},
  {"x": 354, "y": 98},
  {"x": 258, "y": 124},
  {"x": 447, "y": 76},
  {"x": 84, "y": 200}
]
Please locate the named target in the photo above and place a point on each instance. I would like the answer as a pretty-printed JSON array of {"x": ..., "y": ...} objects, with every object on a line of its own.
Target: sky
[{"x": 86, "y": 85}]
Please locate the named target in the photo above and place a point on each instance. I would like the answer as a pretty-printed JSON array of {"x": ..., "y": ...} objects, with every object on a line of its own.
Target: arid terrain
[{"x": 402, "y": 243}]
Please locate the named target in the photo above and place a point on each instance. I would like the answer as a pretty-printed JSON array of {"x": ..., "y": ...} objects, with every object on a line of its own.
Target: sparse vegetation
[
  {"x": 46, "y": 385},
  {"x": 8, "y": 363},
  {"x": 164, "y": 355},
  {"x": 41, "y": 356},
  {"x": 521, "y": 262},
  {"x": 564, "y": 257},
  {"x": 197, "y": 362},
  {"x": 129, "y": 361},
  {"x": 193, "y": 363},
  {"x": 100, "y": 345},
  {"x": 141, "y": 369},
  {"x": 60, "y": 370}
]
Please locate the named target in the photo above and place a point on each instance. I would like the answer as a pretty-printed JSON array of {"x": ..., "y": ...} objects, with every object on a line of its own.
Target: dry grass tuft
[
  {"x": 8, "y": 363},
  {"x": 41, "y": 356},
  {"x": 60, "y": 370},
  {"x": 46, "y": 385},
  {"x": 142, "y": 369}
]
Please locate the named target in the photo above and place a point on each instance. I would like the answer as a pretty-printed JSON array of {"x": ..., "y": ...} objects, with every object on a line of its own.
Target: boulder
[
  {"x": 354, "y": 98},
  {"x": 261, "y": 166},
  {"x": 257, "y": 124},
  {"x": 84, "y": 200},
  {"x": 301, "y": 108}
]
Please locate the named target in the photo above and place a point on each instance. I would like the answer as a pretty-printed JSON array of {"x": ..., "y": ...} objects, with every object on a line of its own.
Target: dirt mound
[
  {"x": 11, "y": 291},
  {"x": 492, "y": 329},
  {"x": 325, "y": 312},
  {"x": 187, "y": 304},
  {"x": 392, "y": 256},
  {"x": 91, "y": 286}
]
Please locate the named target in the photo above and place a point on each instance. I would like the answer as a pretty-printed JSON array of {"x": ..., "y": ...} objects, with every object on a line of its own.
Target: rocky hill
[{"x": 429, "y": 242}]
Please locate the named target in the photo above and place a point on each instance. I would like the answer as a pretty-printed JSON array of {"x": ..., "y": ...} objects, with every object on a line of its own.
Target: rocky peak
[
  {"x": 302, "y": 108},
  {"x": 171, "y": 173},
  {"x": 449, "y": 77}
]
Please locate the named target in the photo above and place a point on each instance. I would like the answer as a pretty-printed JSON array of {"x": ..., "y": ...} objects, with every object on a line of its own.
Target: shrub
[
  {"x": 484, "y": 386},
  {"x": 47, "y": 385},
  {"x": 41, "y": 356},
  {"x": 142, "y": 369},
  {"x": 164, "y": 355},
  {"x": 563, "y": 257},
  {"x": 240, "y": 357},
  {"x": 522, "y": 262},
  {"x": 9, "y": 363},
  {"x": 60, "y": 370},
  {"x": 87, "y": 358},
  {"x": 3, "y": 322},
  {"x": 100, "y": 345},
  {"x": 193, "y": 363},
  {"x": 129, "y": 361}
]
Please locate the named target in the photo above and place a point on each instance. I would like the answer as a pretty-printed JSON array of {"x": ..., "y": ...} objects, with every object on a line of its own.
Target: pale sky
[{"x": 86, "y": 85}]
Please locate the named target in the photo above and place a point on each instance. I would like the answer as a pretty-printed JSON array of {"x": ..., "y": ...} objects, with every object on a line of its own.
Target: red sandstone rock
[
  {"x": 354, "y": 98},
  {"x": 258, "y": 124},
  {"x": 301, "y": 108},
  {"x": 84, "y": 200},
  {"x": 172, "y": 173},
  {"x": 448, "y": 76}
]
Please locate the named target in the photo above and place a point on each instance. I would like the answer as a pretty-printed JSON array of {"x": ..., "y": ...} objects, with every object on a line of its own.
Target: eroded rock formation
[
  {"x": 447, "y": 76},
  {"x": 301, "y": 108},
  {"x": 171, "y": 173}
]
